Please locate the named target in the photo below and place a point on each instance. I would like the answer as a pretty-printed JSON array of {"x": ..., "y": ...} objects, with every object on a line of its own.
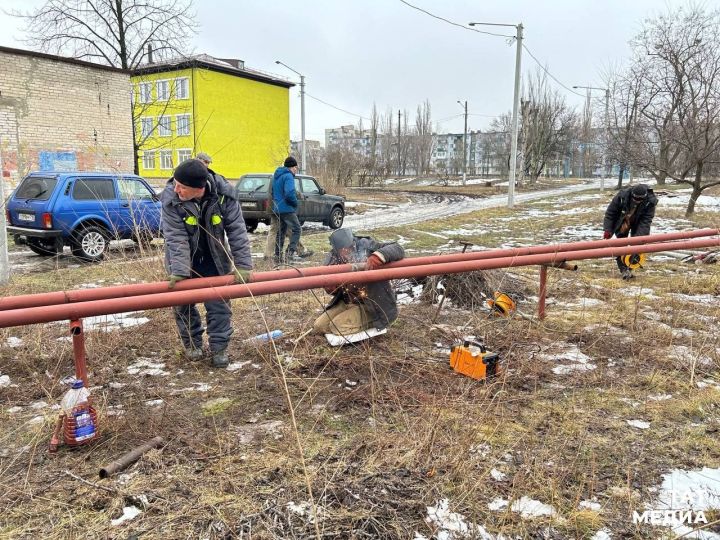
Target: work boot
[
  {"x": 220, "y": 359},
  {"x": 292, "y": 257},
  {"x": 194, "y": 354},
  {"x": 626, "y": 274},
  {"x": 307, "y": 253}
]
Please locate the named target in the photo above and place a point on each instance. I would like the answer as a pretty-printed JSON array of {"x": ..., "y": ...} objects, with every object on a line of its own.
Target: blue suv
[{"x": 49, "y": 210}]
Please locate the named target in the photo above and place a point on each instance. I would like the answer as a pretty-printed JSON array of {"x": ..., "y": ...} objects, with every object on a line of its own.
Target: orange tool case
[{"x": 472, "y": 359}]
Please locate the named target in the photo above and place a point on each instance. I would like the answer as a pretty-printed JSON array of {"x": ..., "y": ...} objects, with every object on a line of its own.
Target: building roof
[
  {"x": 206, "y": 61},
  {"x": 65, "y": 59}
]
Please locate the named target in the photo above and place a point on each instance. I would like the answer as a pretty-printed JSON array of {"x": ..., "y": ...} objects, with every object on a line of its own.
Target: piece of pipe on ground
[{"x": 130, "y": 457}]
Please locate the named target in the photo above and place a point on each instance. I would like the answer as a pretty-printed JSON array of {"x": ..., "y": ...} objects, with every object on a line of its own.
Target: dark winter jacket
[
  {"x": 379, "y": 299},
  {"x": 622, "y": 204},
  {"x": 217, "y": 217},
  {"x": 283, "y": 191}
]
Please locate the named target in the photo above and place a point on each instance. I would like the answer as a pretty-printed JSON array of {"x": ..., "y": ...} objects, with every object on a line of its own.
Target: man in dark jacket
[
  {"x": 285, "y": 204},
  {"x": 204, "y": 236},
  {"x": 629, "y": 213},
  {"x": 355, "y": 308}
]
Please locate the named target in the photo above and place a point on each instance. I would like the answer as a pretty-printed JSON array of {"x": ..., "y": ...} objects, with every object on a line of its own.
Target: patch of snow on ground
[
  {"x": 451, "y": 525},
  {"x": 129, "y": 512},
  {"x": 108, "y": 323},
  {"x": 590, "y": 505},
  {"x": 145, "y": 366},
  {"x": 660, "y": 397},
  {"x": 681, "y": 351},
  {"x": 704, "y": 202},
  {"x": 697, "y": 490},
  {"x": 701, "y": 299},
  {"x": 13, "y": 341},
  {"x": 602, "y": 534},
  {"x": 4, "y": 381},
  {"x": 498, "y": 476},
  {"x": 530, "y": 508},
  {"x": 640, "y": 424},
  {"x": 559, "y": 352}
]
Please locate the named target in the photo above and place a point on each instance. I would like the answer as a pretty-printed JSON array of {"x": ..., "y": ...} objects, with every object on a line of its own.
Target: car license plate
[
  {"x": 26, "y": 217},
  {"x": 250, "y": 205}
]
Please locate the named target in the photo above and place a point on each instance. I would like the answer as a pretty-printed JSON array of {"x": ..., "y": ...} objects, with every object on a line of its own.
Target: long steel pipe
[
  {"x": 122, "y": 291},
  {"x": 19, "y": 317}
]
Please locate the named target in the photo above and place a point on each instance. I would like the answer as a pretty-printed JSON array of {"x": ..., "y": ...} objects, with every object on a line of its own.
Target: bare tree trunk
[
  {"x": 697, "y": 190},
  {"x": 620, "y": 177}
]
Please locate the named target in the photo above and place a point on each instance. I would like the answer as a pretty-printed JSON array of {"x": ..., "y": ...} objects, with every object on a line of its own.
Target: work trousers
[
  {"x": 620, "y": 264},
  {"x": 343, "y": 319},
  {"x": 272, "y": 239},
  {"x": 290, "y": 221},
  {"x": 218, "y": 316}
]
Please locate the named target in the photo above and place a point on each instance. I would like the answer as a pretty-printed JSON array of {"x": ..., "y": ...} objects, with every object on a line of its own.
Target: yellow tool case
[{"x": 473, "y": 359}]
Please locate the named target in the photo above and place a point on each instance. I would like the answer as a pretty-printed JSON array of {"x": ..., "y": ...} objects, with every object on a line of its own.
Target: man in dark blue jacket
[{"x": 285, "y": 204}]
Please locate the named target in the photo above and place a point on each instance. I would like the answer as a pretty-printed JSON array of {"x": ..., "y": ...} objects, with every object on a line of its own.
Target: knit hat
[
  {"x": 290, "y": 162},
  {"x": 202, "y": 156},
  {"x": 640, "y": 192},
  {"x": 191, "y": 173},
  {"x": 342, "y": 238}
]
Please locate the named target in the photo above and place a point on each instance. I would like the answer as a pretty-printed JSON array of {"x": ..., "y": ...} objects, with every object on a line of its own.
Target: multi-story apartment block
[
  {"x": 60, "y": 114},
  {"x": 204, "y": 104}
]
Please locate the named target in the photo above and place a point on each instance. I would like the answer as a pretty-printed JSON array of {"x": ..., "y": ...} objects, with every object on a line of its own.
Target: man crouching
[{"x": 367, "y": 308}]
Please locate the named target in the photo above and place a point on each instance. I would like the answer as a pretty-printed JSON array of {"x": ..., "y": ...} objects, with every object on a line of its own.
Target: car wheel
[
  {"x": 251, "y": 225},
  {"x": 337, "y": 216},
  {"x": 43, "y": 248},
  {"x": 90, "y": 243}
]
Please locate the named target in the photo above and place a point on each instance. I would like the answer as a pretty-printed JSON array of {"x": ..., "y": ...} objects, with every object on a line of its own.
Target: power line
[
  {"x": 550, "y": 74},
  {"x": 454, "y": 23},
  {"x": 338, "y": 108}
]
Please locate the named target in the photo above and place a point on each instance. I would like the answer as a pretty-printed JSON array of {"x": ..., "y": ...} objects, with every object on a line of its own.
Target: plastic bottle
[
  {"x": 262, "y": 338},
  {"x": 76, "y": 405}
]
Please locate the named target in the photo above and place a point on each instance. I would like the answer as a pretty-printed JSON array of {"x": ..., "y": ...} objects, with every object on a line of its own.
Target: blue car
[{"x": 83, "y": 210}]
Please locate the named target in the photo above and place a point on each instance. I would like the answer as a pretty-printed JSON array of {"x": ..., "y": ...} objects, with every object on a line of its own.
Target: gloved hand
[
  {"x": 373, "y": 262},
  {"x": 173, "y": 279},
  {"x": 242, "y": 275},
  {"x": 606, "y": 235}
]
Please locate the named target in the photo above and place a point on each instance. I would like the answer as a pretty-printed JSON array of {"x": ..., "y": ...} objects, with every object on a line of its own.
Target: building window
[
  {"x": 149, "y": 159},
  {"x": 181, "y": 88},
  {"x": 164, "y": 129},
  {"x": 183, "y": 154},
  {"x": 182, "y": 124},
  {"x": 166, "y": 159},
  {"x": 163, "y": 90},
  {"x": 146, "y": 126},
  {"x": 145, "y": 92}
]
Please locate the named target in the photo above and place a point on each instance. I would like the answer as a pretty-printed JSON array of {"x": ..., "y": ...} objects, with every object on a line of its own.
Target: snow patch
[
  {"x": 451, "y": 525},
  {"x": 13, "y": 342},
  {"x": 146, "y": 366},
  {"x": 129, "y": 512},
  {"x": 108, "y": 323},
  {"x": 531, "y": 508},
  {"x": 4, "y": 381},
  {"x": 590, "y": 505},
  {"x": 640, "y": 424}
]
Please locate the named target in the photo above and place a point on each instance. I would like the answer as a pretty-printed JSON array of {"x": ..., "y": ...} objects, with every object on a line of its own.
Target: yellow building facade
[{"x": 239, "y": 117}]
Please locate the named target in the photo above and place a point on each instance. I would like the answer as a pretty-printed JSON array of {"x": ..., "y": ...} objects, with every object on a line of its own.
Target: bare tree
[
  {"x": 112, "y": 32},
  {"x": 423, "y": 144},
  {"x": 626, "y": 93}
]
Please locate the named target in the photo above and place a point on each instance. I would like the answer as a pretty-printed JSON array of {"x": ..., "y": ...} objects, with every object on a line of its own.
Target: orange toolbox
[{"x": 474, "y": 360}]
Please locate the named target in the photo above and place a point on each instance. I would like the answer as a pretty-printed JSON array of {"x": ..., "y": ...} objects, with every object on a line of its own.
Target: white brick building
[{"x": 59, "y": 113}]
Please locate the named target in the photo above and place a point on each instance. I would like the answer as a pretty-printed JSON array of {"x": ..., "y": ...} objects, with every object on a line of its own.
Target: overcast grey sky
[{"x": 354, "y": 52}]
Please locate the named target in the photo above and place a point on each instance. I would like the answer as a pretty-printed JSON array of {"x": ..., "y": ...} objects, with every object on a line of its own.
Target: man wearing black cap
[
  {"x": 629, "y": 213},
  {"x": 356, "y": 308},
  {"x": 285, "y": 204},
  {"x": 204, "y": 236}
]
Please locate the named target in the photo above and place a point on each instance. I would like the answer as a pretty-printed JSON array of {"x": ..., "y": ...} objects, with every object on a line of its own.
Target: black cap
[
  {"x": 341, "y": 239},
  {"x": 290, "y": 162},
  {"x": 191, "y": 173},
  {"x": 640, "y": 192}
]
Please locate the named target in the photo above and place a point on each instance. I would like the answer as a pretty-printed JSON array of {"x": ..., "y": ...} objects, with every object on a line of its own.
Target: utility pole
[
  {"x": 303, "y": 158},
  {"x": 516, "y": 106},
  {"x": 4, "y": 263},
  {"x": 606, "y": 158},
  {"x": 398, "y": 142},
  {"x": 464, "y": 181}
]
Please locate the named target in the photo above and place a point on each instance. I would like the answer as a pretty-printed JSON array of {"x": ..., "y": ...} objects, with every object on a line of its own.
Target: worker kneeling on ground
[
  {"x": 629, "y": 213},
  {"x": 367, "y": 308}
]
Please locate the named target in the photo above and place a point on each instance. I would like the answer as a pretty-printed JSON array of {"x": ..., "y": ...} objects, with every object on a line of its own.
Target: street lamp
[
  {"x": 516, "y": 106},
  {"x": 607, "y": 126},
  {"x": 302, "y": 114},
  {"x": 464, "y": 143}
]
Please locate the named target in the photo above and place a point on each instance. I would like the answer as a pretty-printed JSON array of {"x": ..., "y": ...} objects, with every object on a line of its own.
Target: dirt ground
[{"x": 617, "y": 387}]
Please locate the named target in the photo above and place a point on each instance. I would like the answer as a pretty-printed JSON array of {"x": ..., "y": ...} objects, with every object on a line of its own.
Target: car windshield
[
  {"x": 34, "y": 187},
  {"x": 253, "y": 183}
]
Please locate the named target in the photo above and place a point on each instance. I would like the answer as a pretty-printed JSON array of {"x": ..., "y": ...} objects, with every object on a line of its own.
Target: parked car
[
  {"x": 49, "y": 210},
  {"x": 314, "y": 203}
]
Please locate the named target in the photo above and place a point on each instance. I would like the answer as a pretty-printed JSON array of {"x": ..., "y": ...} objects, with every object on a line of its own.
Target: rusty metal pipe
[
  {"x": 19, "y": 317},
  {"x": 130, "y": 457},
  {"x": 138, "y": 289},
  {"x": 78, "y": 340},
  {"x": 543, "y": 291}
]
